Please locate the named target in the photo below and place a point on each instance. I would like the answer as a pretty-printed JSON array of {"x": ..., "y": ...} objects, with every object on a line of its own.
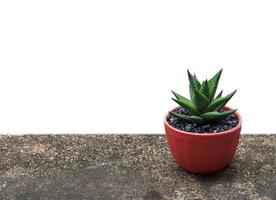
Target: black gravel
[{"x": 211, "y": 127}]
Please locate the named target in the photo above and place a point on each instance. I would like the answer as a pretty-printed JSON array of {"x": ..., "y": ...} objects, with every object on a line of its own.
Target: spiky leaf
[
  {"x": 192, "y": 93},
  {"x": 213, "y": 84},
  {"x": 178, "y": 96},
  {"x": 225, "y": 114},
  {"x": 219, "y": 103},
  {"x": 200, "y": 101},
  {"x": 192, "y": 80},
  {"x": 220, "y": 94},
  {"x": 202, "y": 106},
  {"x": 197, "y": 82},
  {"x": 215, "y": 115},
  {"x": 187, "y": 118},
  {"x": 204, "y": 88},
  {"x": 187, "y": 104}
]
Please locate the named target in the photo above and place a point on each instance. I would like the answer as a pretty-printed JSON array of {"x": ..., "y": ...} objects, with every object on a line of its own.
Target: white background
[{"x": 108, "y": 66}]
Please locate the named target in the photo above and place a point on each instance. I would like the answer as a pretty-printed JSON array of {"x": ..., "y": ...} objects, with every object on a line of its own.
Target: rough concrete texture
[{"x": 127, "y": 167}]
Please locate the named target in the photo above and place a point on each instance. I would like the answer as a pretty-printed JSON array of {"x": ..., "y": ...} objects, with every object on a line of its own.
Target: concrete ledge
[{"x": 127, "y": 167}]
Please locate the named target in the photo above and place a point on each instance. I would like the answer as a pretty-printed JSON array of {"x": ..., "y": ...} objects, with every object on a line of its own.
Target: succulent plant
[{"x": 203, "y": 106}]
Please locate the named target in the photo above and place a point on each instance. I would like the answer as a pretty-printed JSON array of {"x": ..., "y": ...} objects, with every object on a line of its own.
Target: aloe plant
[{"x": 203, "y": 105}]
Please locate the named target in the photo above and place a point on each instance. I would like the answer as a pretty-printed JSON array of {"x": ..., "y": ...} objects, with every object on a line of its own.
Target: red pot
[{"x": 203, "y": 153}]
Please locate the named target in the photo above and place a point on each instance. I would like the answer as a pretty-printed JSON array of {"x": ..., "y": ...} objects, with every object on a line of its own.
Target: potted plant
[{"x": 202, "y": 133}]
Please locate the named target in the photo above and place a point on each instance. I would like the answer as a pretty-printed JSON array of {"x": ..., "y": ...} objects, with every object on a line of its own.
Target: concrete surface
[{"x": 127, "y": 167}]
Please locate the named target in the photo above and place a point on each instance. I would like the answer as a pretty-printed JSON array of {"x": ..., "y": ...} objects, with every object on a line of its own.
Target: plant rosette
[{"x": 208, "y": 150}]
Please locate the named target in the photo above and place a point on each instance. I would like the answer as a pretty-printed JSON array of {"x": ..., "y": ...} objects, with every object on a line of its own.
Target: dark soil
[{"x": 210, "y": 127}]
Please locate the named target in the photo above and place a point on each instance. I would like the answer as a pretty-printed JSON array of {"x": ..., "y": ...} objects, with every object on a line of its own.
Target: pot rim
[{"x": 206, "y": 134}]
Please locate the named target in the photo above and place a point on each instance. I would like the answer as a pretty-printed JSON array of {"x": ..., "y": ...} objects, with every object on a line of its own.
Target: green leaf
[
  {"x": 194, "y": 84},
  {"x": 193, "y": 81},
  {"x": 219, "y": 103},
  {"x": 229, "y": 96},
  {"x": 213, "y": 84},
  {"x": 187, "y": 104},
  {"x": 215, "y": 115},
  {"x": 196, "y": 119},
  {"x": 198, "y": 84},
  {"x": 182, "y": 117},
  {"x": 219, "y": 95},
  {"x": 187, "y": 118},
  {"x": 204, "y": 88},
  {"x": 210, "y": 115},
  {"x": 178, "y": 96},
  {"x": 200, "y": 101},
  {"x": 192, "y": 93},
  {"x": 226, "y": 113}
]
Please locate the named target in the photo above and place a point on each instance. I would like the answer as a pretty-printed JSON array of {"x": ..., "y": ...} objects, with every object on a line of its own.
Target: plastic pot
[{"x": 203, "y": 153}]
